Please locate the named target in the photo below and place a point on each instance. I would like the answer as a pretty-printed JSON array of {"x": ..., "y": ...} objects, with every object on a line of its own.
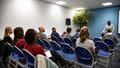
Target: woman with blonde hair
[{"x": 84, "y": 40}]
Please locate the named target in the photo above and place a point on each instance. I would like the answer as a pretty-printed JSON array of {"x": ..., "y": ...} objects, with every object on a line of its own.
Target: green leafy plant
[{"x": 82, "y": 18}]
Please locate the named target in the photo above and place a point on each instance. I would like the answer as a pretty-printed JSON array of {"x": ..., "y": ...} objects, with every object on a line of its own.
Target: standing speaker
[{"x": 68, "y": 21}]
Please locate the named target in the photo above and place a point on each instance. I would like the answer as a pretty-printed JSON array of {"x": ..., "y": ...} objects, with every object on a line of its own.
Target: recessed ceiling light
[
  {"x": 107, "y": 3},
  {"x": 60, "y": 2},
  {"x": 80, "y": 8}
]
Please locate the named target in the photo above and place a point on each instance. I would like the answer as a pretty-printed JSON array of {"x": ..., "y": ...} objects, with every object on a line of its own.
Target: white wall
[{"x": 32, "y": 14}]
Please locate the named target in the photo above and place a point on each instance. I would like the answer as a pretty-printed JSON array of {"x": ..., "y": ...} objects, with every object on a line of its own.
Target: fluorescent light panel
[
  {"x": 60, "y": 2},
  {"x": 79, "y": 8},
  {"x": 107, "y": 3}
]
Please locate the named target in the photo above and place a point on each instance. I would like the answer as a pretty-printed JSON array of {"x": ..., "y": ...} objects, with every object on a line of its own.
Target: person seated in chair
[
  {"x": 19, "y": 40},
  {"x": 31, "y": 45},
  {"x": 42, "y": 33},
  {"x": 85, "y": 41},
  {"x": 54, "y": 32},
  {"x": 7, "y": 33},
  {"x": 68, "y": 33},
  {"x": 110, "y": 35}
]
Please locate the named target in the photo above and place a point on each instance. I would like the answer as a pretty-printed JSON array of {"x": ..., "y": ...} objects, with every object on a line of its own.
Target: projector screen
[{"x": 119, "y": 23}]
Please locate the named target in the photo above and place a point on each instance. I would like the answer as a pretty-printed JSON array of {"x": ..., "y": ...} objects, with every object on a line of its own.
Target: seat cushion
[
  {"x": 103, "y": 53},
  {"x": 69, "y": 57}
]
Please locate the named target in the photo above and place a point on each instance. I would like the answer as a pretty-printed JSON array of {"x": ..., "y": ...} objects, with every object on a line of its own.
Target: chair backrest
[
  {"x": 40, "y": 42},
  {"x": 74, "y": 41},
  {"x": 66, "y": 48},
  {"x": 97, "y": 39},
  {"x": 54, "y": 38},
  {"x": 55, "y": 46},
  {"x": 29, "y": 57},
  {"x": 84, "y": 56},
  {"x": 68, "y": 52},
  {"x": 6, "y": 49},
  {"x": 46, "y": 44},
  {"x": 109, "y": 42},
  {"x": 60, "y": 40},
  {"x": 19, "y": 52},
  {"x": 69, "y": 41},
  {"x": 10, "y": 46},
  {"x": 100, "y": 45}
]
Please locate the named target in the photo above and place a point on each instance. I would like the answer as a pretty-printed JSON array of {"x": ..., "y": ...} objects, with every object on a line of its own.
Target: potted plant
[{"x": 82, "y": 18}]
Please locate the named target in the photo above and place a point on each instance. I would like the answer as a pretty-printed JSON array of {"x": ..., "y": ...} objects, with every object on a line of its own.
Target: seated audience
[
  {"x": 42, "y": 34},
  {"x": 31, "y": 45},
  {"x": 54, "y": 32},
  {"x": 19, "y": 40},
  {"x": 108, "y": 26},
  {"x": 68, "y": 33},
  {"x": 64, "y": 34},
  {"x": 76, "y": 35},
  {"x": 110, "y": 35},
  {"x": 5, "y": 49},
  {"x": 7, "y": 33},
  {"x": 84, "y": 40}
]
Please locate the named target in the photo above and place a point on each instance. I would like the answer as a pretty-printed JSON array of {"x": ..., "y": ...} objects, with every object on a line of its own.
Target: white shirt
[
  {"x": 109, "y": 27},
  {"x": 88, "y": 44}
]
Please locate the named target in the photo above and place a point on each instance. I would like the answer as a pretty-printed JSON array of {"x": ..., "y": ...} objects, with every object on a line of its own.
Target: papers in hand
[{"x": 48, "y": 53}]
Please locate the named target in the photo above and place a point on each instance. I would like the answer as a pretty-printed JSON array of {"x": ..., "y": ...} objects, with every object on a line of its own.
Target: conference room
[{"x": 59, "y": 33}]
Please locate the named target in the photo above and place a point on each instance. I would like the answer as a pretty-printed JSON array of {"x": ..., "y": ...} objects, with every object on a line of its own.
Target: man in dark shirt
[{"x": 54, "y": 33}]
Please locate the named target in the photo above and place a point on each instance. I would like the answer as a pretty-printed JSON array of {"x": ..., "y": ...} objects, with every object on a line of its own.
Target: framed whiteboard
[{"x": 119, "y": 22}]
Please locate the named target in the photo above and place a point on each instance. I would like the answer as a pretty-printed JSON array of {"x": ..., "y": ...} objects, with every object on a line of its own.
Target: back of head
[
  {"x": 41, "y": 29},
  {"x": 30, "y": 36},
  {"x": 69, "y": 30},
  {"x": 109, "y": 22},
  {"x": 54, "y": 29},
  {"x": 18, "y": 33},
  {"x": 8, "y": 31},
  {"x": 84, "y": 34}
]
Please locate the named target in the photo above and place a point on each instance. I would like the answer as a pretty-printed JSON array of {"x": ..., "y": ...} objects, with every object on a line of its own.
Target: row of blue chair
[
  {"x": 63, "y": 40},
  {"x": 20, "y": 58},
  {"x": 108, "y": 41},
  {"x": 79, "y": 54},
  {"x": 106, "y": 47}
]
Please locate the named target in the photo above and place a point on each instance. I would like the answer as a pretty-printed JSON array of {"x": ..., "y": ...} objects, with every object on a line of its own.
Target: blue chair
[
  {"x": 74, "y": 41},
  {"x": 54, "y": 38},
  {"x": 103, "y": 54},
  {"x": 68, "y": 53},
  {"x": 56, "y": 48},
  {"x": 20, "y": 55},
  {"x": 40, "y": 42},
  {"x": 60, "y": 40},
  {"x": 30, "y": 59},
  {"x": 110, "y": 43},
  {"x": 102, "y": 49},
  {"x": 111, "y": 46},
  {"x": 57, "y": 53},
  {"x": 69, "y": 41},
  {"x": 84, "y": 57},
  {"x": 13, "y": 56},
  {"x": 46, "y": 44},
  {"x": 97, "y": 39}
]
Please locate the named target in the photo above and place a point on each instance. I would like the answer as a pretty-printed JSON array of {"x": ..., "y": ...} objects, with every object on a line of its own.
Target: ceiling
[{"x": 87, "y": 4}]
